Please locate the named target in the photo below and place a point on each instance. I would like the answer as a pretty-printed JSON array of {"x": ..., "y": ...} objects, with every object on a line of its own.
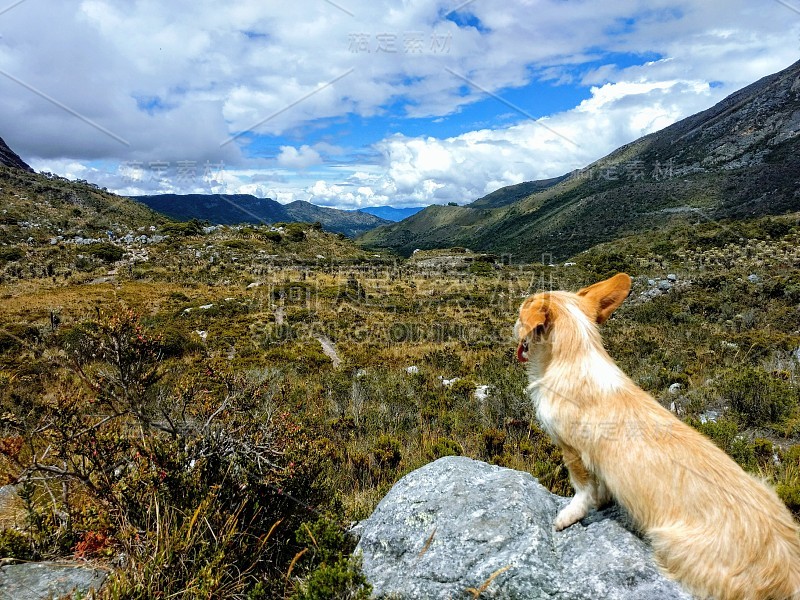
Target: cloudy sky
[{"x": 355, "y": 103}]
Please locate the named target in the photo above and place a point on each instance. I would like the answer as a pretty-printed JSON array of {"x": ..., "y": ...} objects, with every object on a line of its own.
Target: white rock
[
  {"x": 675, "y": 388},
  {"x": 203, "y": 334},
  {"x": 205, "y": 306},
  {"x": 482, "y": 392},
  {"x": 413, "y": 369},
  {"x": 710, "y": 416}
]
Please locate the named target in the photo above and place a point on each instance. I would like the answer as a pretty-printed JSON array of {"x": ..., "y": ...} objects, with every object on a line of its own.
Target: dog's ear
[{"x": 606, "y": 296}]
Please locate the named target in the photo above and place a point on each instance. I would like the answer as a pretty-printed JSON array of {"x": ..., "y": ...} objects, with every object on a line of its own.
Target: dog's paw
[{"x": 569, "y": 515}]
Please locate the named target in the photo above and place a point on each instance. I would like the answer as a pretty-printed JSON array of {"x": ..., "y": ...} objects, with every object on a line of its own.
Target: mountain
[
  {"x": 391, "y": 213},
  {"x": 9, "y": 158},
  {"x": 512, "y": 193},
  {"x": 39, "y": 207},
  {"x": 737, "y": 159},
  {"x": 228, "y": 209}
]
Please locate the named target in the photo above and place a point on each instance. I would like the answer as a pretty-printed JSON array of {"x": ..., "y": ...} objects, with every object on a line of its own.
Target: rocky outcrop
[
  {"x": 35, "y": 581},
  {"x": 10, "y": 158},
  {"x": 459, "y": 528}
]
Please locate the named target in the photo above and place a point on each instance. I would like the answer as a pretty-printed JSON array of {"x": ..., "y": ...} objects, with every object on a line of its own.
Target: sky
[{"x": 358, "y": 103}]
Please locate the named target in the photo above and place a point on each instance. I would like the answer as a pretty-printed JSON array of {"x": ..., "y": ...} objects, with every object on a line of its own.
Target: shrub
[
  {"x": 14, "y": 544},
  {"x": 479, "y": 267},
  {"x": 758, "y": 397},
  {"x": 105, "y": 251},
  {"x": 494, "y": 441},
  {"x": 763, "y": 450},
  {"x": 271, "y": 236},
  {"x": 331, "y": 573},
  {"x": 387, "y": 452},
  {"x": 296, "y": 232},
  {"x": 15, "y": 336},
  {"x": 10, "y": 253},
  {"x": 237, "y": 244},
  {"x": 175, "y": 343},
  {"x": 725, "y": 434},
  {"x": 193, "y": 227},
  {"x": 444, "y": 447},
  {"x": 341, "y": 579}
]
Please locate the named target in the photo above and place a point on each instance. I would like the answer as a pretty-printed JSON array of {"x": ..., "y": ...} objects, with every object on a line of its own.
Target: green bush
[
  {"x": 10, "y": 253},
  {"x": 330, "y": 572},
  {"x": 271, "y": 236},
  {"x": 758, "y": 397},
  {"x": 444, "y": 447},
  {"x": 16, "y": 336},
  {"x": 296, "y": 232},
  {"x": 790, "y": 494},
  {"x": 494, "y": 441},
  {"x": 193, "y": 227},
  {"x": 341, "y": 579},
  {"x": 176, "y": 343},
  {"x": 725, "y": 434},
  {"x": 105, "y": 251},
  {"x": 387, "y": 451},
  {"x": 14, "y": 544}
]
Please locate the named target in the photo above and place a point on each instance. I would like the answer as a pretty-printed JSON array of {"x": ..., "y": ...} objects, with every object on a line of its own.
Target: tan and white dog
[{"x": 721, "y": 532}]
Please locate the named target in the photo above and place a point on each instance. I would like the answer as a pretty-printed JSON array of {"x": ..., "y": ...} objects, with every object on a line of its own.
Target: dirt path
[{"x": 329, "y": 348}]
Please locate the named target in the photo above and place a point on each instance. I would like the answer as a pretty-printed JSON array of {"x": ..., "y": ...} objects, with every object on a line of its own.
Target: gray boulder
[
  {"x": 41, "y": 581},
  {"x": 458, "y": 523}
]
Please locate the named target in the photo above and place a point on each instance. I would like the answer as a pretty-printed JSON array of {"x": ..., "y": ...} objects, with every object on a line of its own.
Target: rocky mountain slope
[
  {"x": 9, "y": 158},
  {"x": 36, "y": 208},
  {"x": 229, "y": 209},
  {"x": 734, "y": 160}
]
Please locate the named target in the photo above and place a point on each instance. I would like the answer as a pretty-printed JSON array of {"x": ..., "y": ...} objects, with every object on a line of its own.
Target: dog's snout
[{"x": 522, "y": 351}]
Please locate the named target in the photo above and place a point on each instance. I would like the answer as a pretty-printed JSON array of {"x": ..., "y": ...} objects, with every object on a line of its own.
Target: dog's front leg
[{"x": 589, "y": 491}]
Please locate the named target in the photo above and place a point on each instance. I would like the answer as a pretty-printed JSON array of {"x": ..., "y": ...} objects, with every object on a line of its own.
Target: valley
[{"x": 154, "y": 370}]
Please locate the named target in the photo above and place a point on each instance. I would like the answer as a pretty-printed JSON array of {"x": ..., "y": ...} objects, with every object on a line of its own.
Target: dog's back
[
  {"x": 723, "y": 533},
  {"x": 719, "y": 530}
]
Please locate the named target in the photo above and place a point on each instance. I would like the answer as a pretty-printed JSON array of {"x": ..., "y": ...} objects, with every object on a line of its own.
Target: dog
[{"x": 721, "y": 532}]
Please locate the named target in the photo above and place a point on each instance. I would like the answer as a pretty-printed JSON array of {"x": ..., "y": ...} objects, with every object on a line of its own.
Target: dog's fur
[{"x": 722, "y": 533}]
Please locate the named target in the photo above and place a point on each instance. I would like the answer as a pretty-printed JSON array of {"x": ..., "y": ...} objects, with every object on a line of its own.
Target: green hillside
[{"x": 737, "y": 159}]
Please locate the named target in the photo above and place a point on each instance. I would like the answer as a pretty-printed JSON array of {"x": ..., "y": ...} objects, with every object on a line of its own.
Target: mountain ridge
[
  {"x": 230, "y": 209},
  {"x": 9, "y": 158},
  {"x": 390, "y": 213},
  {"x": 736, "y": 159}
]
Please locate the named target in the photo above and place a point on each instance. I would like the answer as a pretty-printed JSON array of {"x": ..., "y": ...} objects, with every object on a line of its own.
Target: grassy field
[{"x": 221, "y": 406}]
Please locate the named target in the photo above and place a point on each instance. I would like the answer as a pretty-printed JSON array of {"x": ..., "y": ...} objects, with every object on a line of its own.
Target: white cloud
[
  {"x": 298, "y": 158},
  {"x": 113, "y": 82}
]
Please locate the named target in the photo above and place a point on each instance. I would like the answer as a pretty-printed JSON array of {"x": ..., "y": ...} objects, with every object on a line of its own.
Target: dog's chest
[{"x": 547, "y": 413}]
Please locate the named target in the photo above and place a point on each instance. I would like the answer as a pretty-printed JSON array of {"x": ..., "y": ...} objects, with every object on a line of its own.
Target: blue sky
[{"x": 354, "y": 103}]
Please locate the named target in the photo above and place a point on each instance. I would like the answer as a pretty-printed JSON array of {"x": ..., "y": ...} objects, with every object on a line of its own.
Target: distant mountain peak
[
  {"x": 10, "y": 158},
  {"x": 229, "y": 209}
]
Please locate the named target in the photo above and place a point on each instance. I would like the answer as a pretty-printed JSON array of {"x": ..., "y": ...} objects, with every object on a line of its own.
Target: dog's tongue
[{"x": 521, "y": 350}]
